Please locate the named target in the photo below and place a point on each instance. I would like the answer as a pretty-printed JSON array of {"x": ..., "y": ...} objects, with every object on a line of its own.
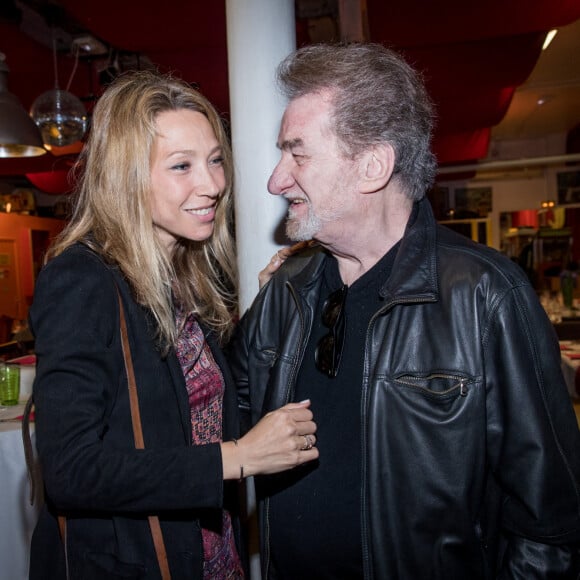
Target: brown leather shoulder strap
[
  {"x": 133, "y": 397},
  {"x": 138, "y": 436},
  {"x": 28, "y": 449}
]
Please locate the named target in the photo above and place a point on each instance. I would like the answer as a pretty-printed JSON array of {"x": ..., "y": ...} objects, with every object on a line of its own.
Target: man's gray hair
[{"x": 377, "y": 98}]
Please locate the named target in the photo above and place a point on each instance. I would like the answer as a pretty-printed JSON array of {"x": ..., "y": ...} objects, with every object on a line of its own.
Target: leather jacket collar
[{"x": 414, "y": 274}]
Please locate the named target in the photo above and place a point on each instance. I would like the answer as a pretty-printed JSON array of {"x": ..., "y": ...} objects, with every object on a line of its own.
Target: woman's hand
[
  {"x": 278, "y": 259},
  {"x": 281, "y": 440}
]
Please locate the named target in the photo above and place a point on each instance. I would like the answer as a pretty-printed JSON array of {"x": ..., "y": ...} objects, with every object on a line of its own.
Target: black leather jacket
[{"x": 471, "y": 461}]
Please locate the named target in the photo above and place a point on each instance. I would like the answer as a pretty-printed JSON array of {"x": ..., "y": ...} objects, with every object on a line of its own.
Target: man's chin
[
  {"x": 300, "y": 230},
  {"x": 296, "y": 233}
]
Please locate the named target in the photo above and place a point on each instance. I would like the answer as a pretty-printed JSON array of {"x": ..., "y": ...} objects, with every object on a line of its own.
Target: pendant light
[
  {"x": 60, "y": 115},
  {"x": 19, "y": 136}
]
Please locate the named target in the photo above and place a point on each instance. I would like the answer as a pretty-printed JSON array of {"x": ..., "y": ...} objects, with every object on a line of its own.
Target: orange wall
[{"x": 19, "y": 229}]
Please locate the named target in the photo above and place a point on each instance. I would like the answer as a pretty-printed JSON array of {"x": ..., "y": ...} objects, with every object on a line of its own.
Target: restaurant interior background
[
  {"x": 507, "y": 140},
  {"x": 508, "y": 129}
]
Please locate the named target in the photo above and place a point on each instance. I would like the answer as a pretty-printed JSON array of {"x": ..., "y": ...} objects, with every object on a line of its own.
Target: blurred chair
[
  {"x": 568, "y": 329},
  {"x": 5, "y": 328},
  {"x": 12, "y": 349}
]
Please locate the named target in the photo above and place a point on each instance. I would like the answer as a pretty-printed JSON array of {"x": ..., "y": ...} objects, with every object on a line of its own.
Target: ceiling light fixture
[
  {"x": 60, "y": 115},
  {"x": 19, "y": 136},
  {"x": 549, "y": 38}
]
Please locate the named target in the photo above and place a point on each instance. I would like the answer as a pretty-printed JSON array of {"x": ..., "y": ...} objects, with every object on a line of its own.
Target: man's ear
[{"x": 377, "y": 164}]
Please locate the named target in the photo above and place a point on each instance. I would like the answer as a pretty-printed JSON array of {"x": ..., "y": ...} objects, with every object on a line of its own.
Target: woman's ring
[{"x": 307, "y": 443}]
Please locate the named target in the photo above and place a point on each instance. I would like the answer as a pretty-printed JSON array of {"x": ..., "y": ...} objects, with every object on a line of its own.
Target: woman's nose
[{"x": 210, "y": 186}]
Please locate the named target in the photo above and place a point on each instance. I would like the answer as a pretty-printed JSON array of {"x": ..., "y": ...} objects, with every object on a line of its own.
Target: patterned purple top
[{"x": 205, "y": 388}]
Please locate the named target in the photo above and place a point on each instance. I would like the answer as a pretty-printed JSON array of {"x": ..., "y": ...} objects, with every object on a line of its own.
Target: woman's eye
[
  {"x": 217, "y": 161},
  {"x": 181, "y": 166}
]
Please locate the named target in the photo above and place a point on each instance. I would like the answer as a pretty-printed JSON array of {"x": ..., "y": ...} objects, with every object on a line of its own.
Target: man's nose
[{"x": 280, "y": 180}]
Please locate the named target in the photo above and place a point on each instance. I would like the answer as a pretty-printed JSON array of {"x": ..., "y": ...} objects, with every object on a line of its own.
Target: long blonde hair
[{"x": 112, "y": 207}]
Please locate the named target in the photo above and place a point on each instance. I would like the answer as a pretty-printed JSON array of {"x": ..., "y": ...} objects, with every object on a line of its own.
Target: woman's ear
[{"x": 378, "y": 163}]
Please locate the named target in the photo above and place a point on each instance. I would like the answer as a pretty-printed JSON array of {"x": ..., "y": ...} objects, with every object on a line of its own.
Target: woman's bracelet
[{"x": 241, "y": 464}]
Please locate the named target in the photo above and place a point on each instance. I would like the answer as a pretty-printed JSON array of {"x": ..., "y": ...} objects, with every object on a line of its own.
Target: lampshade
[
  {"x": 60, "y": 116},
  {"x": 19, "y": 136},
  {"x": 56, "y": 182}
]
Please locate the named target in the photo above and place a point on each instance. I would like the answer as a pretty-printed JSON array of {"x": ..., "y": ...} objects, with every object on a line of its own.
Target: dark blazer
[{"x": 92, "y": 472}]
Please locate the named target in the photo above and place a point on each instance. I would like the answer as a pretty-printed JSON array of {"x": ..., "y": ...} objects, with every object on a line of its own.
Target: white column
[{"x": 260, "y": 34}]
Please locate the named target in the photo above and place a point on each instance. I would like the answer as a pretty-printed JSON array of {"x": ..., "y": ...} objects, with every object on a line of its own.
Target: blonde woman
[{"x": 152, "y": 219}]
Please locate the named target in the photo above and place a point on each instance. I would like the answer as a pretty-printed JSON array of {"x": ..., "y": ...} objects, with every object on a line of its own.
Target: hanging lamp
[
  {"x": 19, "y": 136},
  {"x": 60, "y": 115}
]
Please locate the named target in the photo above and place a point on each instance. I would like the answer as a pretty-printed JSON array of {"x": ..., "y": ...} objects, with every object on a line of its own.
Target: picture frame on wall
[
  {"x": 568, "y": 187},
  {"x": 473, "y": 202}
]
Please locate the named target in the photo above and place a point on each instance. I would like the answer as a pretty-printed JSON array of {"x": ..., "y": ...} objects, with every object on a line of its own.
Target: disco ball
[{"x": 60, "y": 116}]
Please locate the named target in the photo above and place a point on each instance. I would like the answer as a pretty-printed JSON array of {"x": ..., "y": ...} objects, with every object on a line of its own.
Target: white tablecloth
[{"x": 17, "y": 516}]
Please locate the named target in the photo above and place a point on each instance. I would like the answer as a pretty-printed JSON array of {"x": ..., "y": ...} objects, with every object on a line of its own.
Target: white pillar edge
[{"x": 260, "y": 34}]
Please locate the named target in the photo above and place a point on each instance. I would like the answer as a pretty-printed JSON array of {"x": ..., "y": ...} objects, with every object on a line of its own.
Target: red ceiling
[{"x": 473, "y": 55}]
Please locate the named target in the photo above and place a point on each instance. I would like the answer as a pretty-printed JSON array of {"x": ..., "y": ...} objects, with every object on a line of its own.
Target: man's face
[{"x": 313, "y": 175}]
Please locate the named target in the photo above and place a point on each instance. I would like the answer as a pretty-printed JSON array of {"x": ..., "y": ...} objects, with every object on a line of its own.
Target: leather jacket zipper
[
  {"x": 365, "y": 540},
  {"x": 302, "y": 342},
  {"x": 461, "y": 383}
]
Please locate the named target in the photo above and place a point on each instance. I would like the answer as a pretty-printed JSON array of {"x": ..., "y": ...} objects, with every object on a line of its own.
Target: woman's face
[{"x": 187, "y": 177}]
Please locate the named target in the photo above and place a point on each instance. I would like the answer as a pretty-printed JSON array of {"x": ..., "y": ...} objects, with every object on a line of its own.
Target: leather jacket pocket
[
  {"x": 438, "y": 393},
  {"x": 438, "y": 385}
]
